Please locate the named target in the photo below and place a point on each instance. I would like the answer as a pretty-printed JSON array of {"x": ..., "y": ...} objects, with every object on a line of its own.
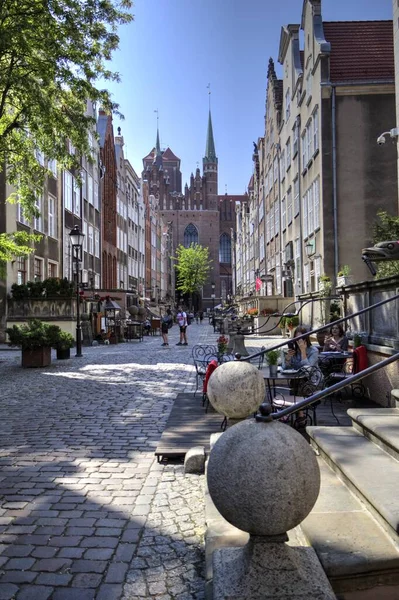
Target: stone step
[
  {"x": 369, "y": 472},
  {"x": 359, "y": 558},
  {"x": 380, "y": 425}
]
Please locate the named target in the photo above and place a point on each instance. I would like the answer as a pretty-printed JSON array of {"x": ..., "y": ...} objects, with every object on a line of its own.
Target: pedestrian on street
[
  {"x": 166, "y": 324},
  {"x": 182, "y": 321}
]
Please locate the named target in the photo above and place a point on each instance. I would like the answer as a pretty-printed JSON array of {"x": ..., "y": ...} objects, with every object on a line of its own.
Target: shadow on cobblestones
[{"x": 86, "y": 512}]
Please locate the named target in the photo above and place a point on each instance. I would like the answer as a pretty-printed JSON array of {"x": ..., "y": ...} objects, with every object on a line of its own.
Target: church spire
[
  {"x": 158, "y": 153},
  {"x": 210, "y": 153}
]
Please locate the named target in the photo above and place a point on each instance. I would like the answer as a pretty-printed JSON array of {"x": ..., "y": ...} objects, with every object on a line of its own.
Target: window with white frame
[
  {"x": 21, "y": 216},
  {"x": 283, "y": 215},
  {"x": 85, "y": 236},
  {"x": 68, "y": 190},
  {"x": 52, "y": 217},
  {"x": 268, "y": 236},
  {"x": 89, "y": 188},
  {"x": 95, "y": 194},
  {"x": 38, "y": 269},
  {"x": 83, "y": 176},
  {"x": 91, "y": 240},
  {"x": 76, "y": 198},
  {"x": 316, "y": 129},
  {"x": 305, "y": 214},
  {"x": 21, "y": 273},
  {"x": 97, "y": 243},
  {"x": 38, "y": 222},
  {"x": 294, "y": 140},
  {"x": 316, "y": 199},
  {"x": 52, "y": 269},
  {"x": 276, "y": 218},
  {"x": 52, "y": 167},
  {"x": 288, "y": 153},
  {"x": 275, "y": 169},
  {"x": 310, "y": 210},
  {"x": 289, "y": 206},
  {"x": 282, "y": 165},
  {"x": 261, "y": 211},
  {"x": 287, "y": 105},
  {"x": 296, "y": 196},
  {"x": 261, "y": 246},
  {"x": 39, "y": 157}
]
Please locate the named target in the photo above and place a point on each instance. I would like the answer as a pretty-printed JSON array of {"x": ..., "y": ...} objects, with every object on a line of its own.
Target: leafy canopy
[
  {"x": 386, "y": 228},
  {"x": 192, "y": 265},
  {"x": 52, "y": 54}
]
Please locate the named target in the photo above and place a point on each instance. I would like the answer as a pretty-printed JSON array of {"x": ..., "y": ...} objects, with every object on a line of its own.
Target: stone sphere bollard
[
  {"x": 236, "y": 389},
  {"x": 263, "y": 477}
]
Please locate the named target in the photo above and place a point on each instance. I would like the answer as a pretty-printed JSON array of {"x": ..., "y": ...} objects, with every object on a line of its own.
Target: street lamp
[
  {"x": 77, "y": 246},
  {"x": 213, "y": 307}
]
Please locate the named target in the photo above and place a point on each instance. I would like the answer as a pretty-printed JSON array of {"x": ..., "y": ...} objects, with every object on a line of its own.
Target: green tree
[
  {"x": 384, "y": 229},
  {"x": 52, "y": 55},
  {"x": 192, "y": 266}
]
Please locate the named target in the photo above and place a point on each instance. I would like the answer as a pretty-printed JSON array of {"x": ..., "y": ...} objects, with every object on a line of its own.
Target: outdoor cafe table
[
  {"x": 333, "y": 362},
  {"x": 286, "y": 375}
]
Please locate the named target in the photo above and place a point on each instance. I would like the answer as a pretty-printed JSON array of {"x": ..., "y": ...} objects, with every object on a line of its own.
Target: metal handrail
[
  {"x": 323, "y": 327},
  {"x": 289, "y": 314},
  {"x": 302, "y": 404}
]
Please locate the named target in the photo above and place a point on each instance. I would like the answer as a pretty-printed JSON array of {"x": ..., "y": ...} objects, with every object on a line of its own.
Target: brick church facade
[{"x": 197, "y": 214}]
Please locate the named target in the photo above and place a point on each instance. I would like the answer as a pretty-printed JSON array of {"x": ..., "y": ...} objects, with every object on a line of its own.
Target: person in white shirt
[{"x": 181, "y": 318}]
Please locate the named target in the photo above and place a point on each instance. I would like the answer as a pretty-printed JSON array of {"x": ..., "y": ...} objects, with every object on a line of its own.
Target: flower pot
[
  {"x": 39, "y": 357},
  {"x": 64, "y": 353},
  {"x": 273, "y": 370}
]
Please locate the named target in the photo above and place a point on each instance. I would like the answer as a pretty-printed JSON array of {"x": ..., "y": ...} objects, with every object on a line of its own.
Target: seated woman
[
  {"x": 336, "y": 340},
  {"x": 303, "y": 356}
]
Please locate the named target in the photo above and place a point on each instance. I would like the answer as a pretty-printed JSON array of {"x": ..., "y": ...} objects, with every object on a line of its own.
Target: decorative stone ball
[
  {"x": 236, "y": 389},
  {"x": 133, "y": 310},
  {"x": 142, "y": 313},
  {"x": 263, "y": 477}
]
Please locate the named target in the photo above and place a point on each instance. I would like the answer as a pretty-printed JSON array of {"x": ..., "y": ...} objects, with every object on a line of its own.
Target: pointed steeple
[
  {"x": 158, "y": 153},
  {"x": 210, "y": 153}
]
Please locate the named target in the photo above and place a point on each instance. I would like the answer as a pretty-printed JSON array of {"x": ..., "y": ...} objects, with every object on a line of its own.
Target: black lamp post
[
  {"x": 77, "y": 246},
  {"x": 213, "y": 307}
]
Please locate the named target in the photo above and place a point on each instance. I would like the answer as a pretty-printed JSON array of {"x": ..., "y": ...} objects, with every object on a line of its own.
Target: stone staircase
[{"x": 354, "y": 525}]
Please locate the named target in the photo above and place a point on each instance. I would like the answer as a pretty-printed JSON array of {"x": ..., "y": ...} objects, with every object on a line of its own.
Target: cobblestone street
[{"x": 86, "y": 511}]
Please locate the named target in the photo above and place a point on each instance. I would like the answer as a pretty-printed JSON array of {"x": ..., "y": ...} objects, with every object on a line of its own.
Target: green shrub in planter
[
  {"x": 64, "y": 341},
  {"x": 272, "y": 357},
  {"x": 35, "y": 334}
]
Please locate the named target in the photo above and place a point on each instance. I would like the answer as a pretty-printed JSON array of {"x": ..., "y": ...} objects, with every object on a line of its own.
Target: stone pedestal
[
  {"x": 239, "y": 345},
  {"x": 273, "y": 570}
]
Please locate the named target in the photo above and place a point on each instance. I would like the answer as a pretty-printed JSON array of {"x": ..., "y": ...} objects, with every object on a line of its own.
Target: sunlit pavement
[{"x": 86, "y": 511}]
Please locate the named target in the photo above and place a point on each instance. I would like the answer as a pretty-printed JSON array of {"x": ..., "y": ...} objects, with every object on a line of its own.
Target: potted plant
[
  {"x": 343, "y": 276},
  {"x": 272, "y": 357},
  {"x": 63, "y": 344},
  {"x": 36, "y": 340},
  {"x": 292, "y": 322},
  {"x": 222, "y": 343}
]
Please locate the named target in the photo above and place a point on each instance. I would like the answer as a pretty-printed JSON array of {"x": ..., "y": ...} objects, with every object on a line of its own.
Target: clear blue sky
[{"x": 174, "y": 48}]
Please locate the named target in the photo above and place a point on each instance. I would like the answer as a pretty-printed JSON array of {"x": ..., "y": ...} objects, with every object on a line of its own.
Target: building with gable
[
  {"x": 197, "y": 215},
  {"x": 319, "y": 176}
]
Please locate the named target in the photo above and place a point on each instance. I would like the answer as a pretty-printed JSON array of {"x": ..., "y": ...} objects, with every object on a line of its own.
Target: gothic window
[
  {"x": 225, "y": 249},
  {"x": 190, "y": 235}
]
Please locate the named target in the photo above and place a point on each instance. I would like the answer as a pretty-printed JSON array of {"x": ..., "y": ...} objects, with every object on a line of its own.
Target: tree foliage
[
  {"x": 386, "y": 228},
  {"x": 52, "y": 54},
  {"x": 192, "y": 266}
]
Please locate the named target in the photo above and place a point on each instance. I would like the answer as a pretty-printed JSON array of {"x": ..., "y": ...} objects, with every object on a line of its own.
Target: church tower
[{"x": 210, "y": 169}]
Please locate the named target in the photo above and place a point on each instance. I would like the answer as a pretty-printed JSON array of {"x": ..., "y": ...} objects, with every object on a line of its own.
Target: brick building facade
[{"x": 196, "y": 215}]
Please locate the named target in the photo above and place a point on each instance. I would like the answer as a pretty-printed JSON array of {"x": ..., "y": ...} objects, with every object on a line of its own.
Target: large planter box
[
  {"x": 41, "y": 357},
  {"x": 267, "y": 325}
]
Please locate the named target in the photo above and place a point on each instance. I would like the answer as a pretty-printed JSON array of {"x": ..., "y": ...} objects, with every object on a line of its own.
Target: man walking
[{"x": 181, "y": 318}]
